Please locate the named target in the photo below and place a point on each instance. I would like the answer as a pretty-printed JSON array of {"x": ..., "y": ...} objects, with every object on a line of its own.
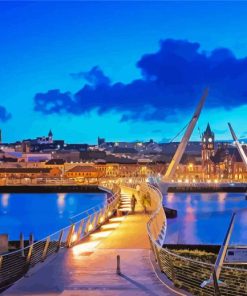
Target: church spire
[
  {"x": 208, "y": 130},
  {"x": 50, "y": 136}
]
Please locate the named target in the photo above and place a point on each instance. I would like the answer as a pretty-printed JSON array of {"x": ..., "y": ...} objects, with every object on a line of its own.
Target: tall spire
[
  {"x": 50, "y": 134},
  {"x": 208, "y": 130}
]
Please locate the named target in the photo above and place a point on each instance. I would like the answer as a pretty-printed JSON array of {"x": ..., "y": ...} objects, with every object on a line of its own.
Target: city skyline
[{"x": 57, "y": 55}]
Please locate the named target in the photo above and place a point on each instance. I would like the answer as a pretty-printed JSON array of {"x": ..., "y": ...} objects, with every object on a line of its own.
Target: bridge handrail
[
  {"x": 14, "y": 265},
  {"x": 187, "y": 273},
  {"x": 154, "y": 216}
]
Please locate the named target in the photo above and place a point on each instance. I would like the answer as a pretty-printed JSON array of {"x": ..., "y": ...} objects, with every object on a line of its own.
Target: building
[
  {"x": 45, "y": 139},
  {"x": 27, "y": 175},
  {"x": 227, "y": 164},
  {"x": 221, "y": 164},
  {"x": 101, "y": 141},
  {"x": 83, "y": 173},
  {"x": 207, "y": 152}
]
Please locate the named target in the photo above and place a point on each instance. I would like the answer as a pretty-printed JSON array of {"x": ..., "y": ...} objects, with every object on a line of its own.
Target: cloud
[
  {"x": 4, "y": 115},
  {"x": 54, "y": 101},
  {"x": 173, "y": 79},
  {"x": 95, "y": 76}
]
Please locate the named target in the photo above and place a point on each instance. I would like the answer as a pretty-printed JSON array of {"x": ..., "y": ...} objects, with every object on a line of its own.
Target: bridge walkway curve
[{"x": 89, "y": 268}]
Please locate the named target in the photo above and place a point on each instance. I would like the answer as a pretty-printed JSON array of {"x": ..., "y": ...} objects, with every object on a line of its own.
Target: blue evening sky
[{"x": 42, "y": 43}]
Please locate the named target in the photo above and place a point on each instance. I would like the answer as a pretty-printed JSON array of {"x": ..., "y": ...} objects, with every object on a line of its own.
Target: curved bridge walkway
[{"x": 89, "y": 268}]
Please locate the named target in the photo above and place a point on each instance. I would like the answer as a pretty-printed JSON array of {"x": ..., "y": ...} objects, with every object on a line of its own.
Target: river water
[
  {"x": 42, "y": 213},
  {"x": 203, "y": 218}
]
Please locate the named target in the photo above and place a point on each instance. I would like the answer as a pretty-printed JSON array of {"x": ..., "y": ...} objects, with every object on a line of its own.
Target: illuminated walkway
[{"x": 89, "y": 268}]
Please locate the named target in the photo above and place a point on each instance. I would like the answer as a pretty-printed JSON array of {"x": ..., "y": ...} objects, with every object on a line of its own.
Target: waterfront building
[
  {"x": 227, "y": 164},
  {"x": 216, "y": 164},
  {"x": 83, "y": 173},
  {"x": 190, "y": 169},
  {"x": 27, "y": 175}
]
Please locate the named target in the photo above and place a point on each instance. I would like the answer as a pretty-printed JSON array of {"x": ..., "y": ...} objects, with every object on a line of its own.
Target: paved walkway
[{"x": 89, "y": 268}]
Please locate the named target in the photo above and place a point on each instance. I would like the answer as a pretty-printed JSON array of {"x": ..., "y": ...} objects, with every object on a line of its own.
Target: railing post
[
  {"x": 22, "y": 244},
  {"x": 29, "y": 255},
  {"x": 59, "y": 241},
  {"x": 87, "y": 225},
  {"x": 158, "y": 257},
  {"x": 94, "y": 221},
  {"x": 70, "y": 235},
  {"x": 1, "y": 262},
  {"x": 45, "y": 249},
  {"x": 172, "y": 269},
  {"x": 80, "y": 228},
  {"x": 31, "y": 239}
]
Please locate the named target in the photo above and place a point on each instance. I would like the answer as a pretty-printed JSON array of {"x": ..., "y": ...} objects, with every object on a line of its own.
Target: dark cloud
[
  {"x": 94, "y": 77},
  {"x": 54, "y": 101},
  {"x": 4, "y": 115},
  {"x": 172, "y": 79}
]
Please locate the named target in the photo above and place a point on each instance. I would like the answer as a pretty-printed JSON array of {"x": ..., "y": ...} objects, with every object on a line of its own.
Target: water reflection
[
  {"x": 204, "y": 218},
  {"x": 61, "y": 202},
  {"x": 5, "y": 202},
  {"x": 42, "y": 214}
]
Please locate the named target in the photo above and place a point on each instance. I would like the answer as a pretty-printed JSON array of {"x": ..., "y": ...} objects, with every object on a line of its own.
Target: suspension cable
[{"x": 179, "y": 132}]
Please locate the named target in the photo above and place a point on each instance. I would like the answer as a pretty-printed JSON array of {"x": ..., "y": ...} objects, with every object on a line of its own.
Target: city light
[
  {"x": 74, "y": 237},
  {"x": 84, "y": 247},
  {"x": 90, "y": 227},
  {"x": 101, "y": 234}
]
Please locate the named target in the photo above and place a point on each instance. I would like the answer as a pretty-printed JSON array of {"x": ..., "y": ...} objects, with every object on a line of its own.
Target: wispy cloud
[{"x": 4, "y": 114}]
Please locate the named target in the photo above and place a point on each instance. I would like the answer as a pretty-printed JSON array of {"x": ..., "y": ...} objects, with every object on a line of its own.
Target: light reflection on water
[
  {"x": 5, "y": 202},
  {"x": 42, "y": 213},
  {"x": 203, "y": 218},
  {"x": 61, "y": 203}
]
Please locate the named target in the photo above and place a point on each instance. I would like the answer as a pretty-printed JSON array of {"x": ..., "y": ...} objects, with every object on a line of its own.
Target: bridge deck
[{"x": 89, "y": 268}]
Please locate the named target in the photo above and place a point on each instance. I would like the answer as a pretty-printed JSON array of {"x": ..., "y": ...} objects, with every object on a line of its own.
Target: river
[
  {"x": 42, "y": 213},
  {"x": 203, "y": 218}
]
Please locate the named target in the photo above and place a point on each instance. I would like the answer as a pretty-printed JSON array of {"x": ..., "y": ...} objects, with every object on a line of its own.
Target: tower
[
  {"x": 50, "y": 137},
  {"x": 207, "y": 144}
]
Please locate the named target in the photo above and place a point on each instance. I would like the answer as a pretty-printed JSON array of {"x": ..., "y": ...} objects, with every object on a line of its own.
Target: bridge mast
[
  {"x": 239, "y": 147},
  {"x": 181, "y": 147}
]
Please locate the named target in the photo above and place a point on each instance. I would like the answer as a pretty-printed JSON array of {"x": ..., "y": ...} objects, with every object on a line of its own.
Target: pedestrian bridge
[
  {"x": 88, "y": 267},
  {"x": 82, "y": 259}
]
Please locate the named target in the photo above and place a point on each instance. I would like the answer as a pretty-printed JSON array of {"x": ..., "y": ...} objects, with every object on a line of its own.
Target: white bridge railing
[
  {"x": 14, "y": 265},
  {"x": 185, "y": 273}
]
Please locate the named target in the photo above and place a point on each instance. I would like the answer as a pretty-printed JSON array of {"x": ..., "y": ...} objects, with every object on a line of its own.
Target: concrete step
[{"x": 124, "y": 210}]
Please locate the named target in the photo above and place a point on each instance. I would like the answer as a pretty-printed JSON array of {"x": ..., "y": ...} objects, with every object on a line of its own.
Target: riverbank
[
  {"x": 50, "y": 189},
  {"x": 205, "y": 189}
]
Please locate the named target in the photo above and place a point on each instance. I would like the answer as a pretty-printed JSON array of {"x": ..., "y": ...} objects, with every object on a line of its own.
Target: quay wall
[
  {"x": 49, "y": 188},
  {"x": 202, "y": 189}
]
